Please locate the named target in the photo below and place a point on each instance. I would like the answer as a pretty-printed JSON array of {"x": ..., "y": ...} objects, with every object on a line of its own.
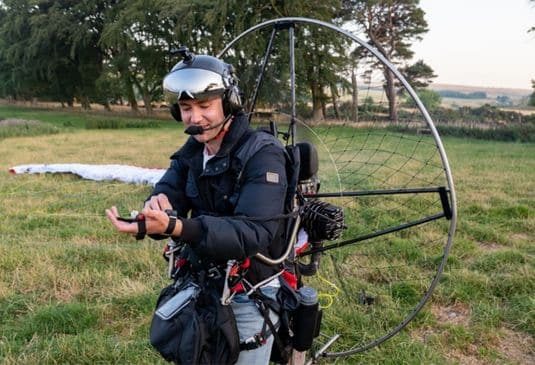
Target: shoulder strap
[{"x": 248, "y": 145}]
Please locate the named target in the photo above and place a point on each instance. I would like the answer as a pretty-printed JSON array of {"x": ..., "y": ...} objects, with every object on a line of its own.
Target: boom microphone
[{"x": 194, "y": 130}]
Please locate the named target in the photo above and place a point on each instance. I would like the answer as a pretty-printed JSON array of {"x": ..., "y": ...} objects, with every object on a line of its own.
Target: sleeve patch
[{"x": 272, "y": 177}]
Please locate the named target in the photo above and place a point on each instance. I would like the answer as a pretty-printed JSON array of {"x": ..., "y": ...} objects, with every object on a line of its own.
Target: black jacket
[{"x": 233, "y": 203}]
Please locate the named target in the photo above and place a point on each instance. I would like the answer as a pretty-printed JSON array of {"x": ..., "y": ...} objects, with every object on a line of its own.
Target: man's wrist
[
  {"x": 172, "y": 214},
  {"x": 177, "y": 232}
]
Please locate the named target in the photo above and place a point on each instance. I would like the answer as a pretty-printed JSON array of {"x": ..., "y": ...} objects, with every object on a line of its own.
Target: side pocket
[
  {"x": 195, "y": 331},
  {"x": 229, "y": 329},
  {"x": 221, "y": 343},
  {"x": 180, "y": 338},
  {"x": 174, "y": 330},
  {"x": 192, "y": 337}
]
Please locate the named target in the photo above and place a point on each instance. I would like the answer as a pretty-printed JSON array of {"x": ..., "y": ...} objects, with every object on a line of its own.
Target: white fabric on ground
[{"x": 124, "y": 173}]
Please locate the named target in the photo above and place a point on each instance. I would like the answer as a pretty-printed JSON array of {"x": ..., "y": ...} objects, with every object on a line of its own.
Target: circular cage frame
[{"x": 289, "y": 23}]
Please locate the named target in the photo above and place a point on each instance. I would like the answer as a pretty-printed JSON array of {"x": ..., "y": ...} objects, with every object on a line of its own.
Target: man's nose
[{"x": 196, "y": 115}]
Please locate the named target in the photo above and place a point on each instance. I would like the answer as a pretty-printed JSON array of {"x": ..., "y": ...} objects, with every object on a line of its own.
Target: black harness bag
[{"x": 191, "y": 326}]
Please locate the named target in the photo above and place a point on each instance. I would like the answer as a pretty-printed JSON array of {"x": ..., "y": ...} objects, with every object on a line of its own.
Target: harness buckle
[
  {"x": 226, "y": 295},
  {"x": 214, "y": 273},
  {"x": 253, "y": 342}
]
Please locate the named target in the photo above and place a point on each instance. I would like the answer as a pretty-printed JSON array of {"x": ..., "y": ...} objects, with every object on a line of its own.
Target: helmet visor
[{"x": 192, "y": 83}]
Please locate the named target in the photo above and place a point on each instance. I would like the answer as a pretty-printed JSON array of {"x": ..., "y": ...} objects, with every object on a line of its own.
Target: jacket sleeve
[
  {"x": 173, "y": 184},
  {"x": 261, "y": 199}
]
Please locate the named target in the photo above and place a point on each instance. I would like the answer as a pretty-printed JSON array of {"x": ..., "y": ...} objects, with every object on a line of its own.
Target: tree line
[{"x": 118, "y": 51}]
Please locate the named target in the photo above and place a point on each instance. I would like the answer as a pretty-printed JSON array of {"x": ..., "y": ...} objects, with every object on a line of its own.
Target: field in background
[
  {"x": 73, "y": 291},
  {"x": 516, "y": 96}
]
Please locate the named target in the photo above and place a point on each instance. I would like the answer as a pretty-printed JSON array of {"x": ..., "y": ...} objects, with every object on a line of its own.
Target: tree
[
  {"x": 532, "y": 96},
  {"x": 64, "y": 40},
  {"x": 391, "y": 26},
  {"x": 322, "y": 58},
  {"x": 419, "y": 74},
  {"x": 222, "y": 20},
  {"x": 140, "y": 34},
  {"x": 6, "y": 86},
  {"x": 504, "y": 100},
  {"x": 18, "y": 79},
  {"x": 429, "y": 98},
  {"x": 321, "y": 55},
  {"x": 137, "y": 38},
  {"x": 52, "y": 48},
  {"x": 355, "y": 59}
]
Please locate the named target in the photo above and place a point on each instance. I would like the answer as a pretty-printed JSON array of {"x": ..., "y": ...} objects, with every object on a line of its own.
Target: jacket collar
[{"x": 237, "y": 129}]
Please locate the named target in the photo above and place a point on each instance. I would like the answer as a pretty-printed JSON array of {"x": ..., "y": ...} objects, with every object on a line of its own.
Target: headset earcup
[
  {"x": 175, "y": 112},
  {"x": 233, "y": 102}
]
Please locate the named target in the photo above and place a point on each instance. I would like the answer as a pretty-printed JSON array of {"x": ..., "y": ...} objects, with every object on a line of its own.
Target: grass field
[{"x": 73, "y": 291}]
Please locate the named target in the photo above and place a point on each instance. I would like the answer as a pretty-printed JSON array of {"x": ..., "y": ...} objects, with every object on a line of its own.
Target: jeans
[{"x": 250, "y": 322}]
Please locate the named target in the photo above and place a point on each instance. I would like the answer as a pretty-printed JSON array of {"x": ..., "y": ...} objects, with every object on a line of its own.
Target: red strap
[
  {"x": 238, "y": 288},
  {"x": 245, "y": 264},
  {"x": 290, "y": 278}
]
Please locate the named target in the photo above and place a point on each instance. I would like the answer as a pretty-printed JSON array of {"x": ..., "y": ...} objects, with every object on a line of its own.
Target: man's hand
[
  {"x": 158, "y": 202},
  {"x": 156, "y": 220},
  {"x": 121, "y": 226}
]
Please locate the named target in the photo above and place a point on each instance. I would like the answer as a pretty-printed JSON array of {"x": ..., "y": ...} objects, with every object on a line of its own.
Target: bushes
[
  {"x": 510, "y": 133},
  {"x": 119, "y": 124},
  {"x": 515, "y": 133},
  {"x": 461, "y": 95},
  {"x": 25, "y": 128},
  {"x": 485, "y": 114},
  {"x": 368, "y": 110}
]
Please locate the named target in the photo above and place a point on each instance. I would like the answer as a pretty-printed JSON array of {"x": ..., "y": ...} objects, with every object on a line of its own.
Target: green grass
[
  {"x": 81, "y": 119},
  {"x": 27, "y": 129},
  {"x": 74, "y": 291}
]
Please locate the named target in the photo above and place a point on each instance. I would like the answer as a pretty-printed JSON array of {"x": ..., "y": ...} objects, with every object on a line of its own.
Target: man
[{"x": 227, "y": 185}]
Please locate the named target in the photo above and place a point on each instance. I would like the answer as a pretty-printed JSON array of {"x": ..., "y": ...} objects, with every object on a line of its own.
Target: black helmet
[{"x": 200, "y": 77}]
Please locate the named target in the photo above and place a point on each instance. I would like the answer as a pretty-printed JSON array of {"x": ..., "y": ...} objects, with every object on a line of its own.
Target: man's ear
[{"x": 226, "y": 127}]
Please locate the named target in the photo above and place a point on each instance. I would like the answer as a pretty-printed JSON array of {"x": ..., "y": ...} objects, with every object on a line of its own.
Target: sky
[{"x": 479, "y": 42}]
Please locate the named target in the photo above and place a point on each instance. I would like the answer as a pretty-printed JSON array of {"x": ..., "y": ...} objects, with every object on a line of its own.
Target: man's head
[{"x": 200, "y": 78}]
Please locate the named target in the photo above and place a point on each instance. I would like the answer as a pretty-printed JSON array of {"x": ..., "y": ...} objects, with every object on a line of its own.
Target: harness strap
[
  {"x": 264, "y": 304},
  {"x": 271, "y": 326},
  {"x": 268, "y": 329}
]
